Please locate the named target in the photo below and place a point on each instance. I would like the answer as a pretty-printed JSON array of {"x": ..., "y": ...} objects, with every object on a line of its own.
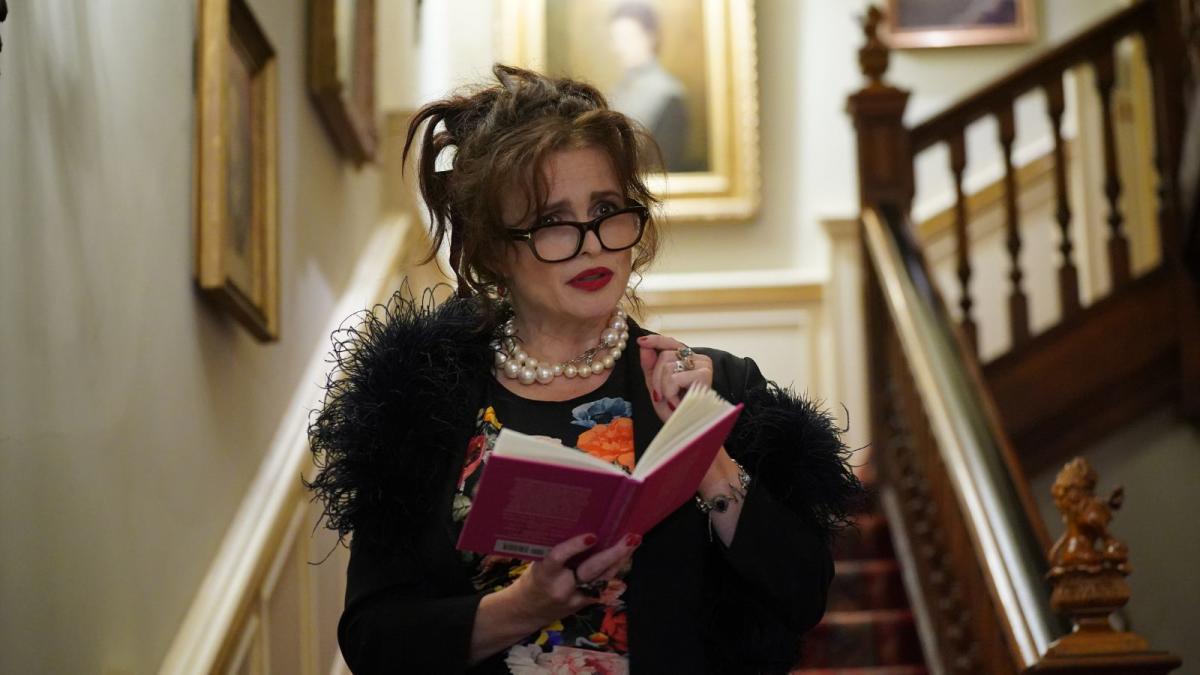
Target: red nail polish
[
  {"x": 655, "y": 395},
  {"x": 633, "y": 540},
  {"x": 590, "y": 539},
  {"x": 671, "y": 405}
]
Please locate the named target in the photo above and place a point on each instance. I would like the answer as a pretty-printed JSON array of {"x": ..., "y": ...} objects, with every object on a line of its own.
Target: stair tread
[
  {"x": 864, "y": 670},
  {"x": 858, "y": 565},
  {"x": 861, "y": 616}
]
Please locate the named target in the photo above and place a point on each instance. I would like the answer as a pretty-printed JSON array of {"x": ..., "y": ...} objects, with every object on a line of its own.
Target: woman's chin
[{"x": 598, "y": 302}]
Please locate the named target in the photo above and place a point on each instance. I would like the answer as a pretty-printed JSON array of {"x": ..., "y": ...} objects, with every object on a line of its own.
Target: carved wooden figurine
[
  {"x": 1088, "y": 568},
  {"x": 1086, "y": 546}
]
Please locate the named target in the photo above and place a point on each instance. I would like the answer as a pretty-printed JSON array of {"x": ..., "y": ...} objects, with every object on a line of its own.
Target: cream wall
[{"x": 132, "y": 415}]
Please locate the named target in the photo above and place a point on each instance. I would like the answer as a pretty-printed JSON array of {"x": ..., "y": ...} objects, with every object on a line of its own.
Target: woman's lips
[{"x": 592, "y": 279}]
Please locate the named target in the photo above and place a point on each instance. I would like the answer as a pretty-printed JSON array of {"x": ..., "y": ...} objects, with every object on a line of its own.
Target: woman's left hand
[{"x": 659, "y": 355}]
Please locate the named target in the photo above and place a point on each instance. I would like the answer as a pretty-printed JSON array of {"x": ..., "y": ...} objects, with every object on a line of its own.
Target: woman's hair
[{"x": 502, "y": 136}]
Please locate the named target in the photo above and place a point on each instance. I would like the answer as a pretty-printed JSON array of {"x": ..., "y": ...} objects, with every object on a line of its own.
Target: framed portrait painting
[
  {"x": 686, "y": 70},
  {"x": 959, "y": 23},
  {"x": 341, "y": 73},
  {"x": 236, "y": 202}
]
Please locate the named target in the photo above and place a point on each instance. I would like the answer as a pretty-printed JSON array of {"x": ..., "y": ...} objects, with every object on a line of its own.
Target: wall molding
[
  {"x": 742, "y": 288},
  {"x": 221, "y": 617}
]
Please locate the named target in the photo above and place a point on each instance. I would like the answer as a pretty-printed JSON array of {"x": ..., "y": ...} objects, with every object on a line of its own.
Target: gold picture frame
[
  {"x": 702, "y": 75},
  {"x": 917, "y": 24},
  {"x": 341, "y": 74},
  {"x": 236, "y": 171}
]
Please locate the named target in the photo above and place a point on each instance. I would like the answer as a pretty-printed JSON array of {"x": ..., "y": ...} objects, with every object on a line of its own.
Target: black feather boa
[
  {"x": 395, "y": 403},
  {"x": 793, "y": 449}
]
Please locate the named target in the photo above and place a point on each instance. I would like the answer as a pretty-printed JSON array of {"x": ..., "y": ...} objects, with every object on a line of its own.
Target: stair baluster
[
  {"x": 1118, "y": 244},
  {"x": 958, "y": 164},
  {"x": 1068, "y": 276},
  {"x": 1018, "y": 304},
  {"x": 961, "y": 240}
]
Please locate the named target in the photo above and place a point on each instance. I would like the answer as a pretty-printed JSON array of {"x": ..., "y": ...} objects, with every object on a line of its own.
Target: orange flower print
[
  {"x": 612, "y": 442},
  {"x": 616, "y": 628}
]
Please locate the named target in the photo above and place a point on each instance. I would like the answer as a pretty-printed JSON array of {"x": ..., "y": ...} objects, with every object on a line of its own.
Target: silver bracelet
[{"x": 720, "y": 503}]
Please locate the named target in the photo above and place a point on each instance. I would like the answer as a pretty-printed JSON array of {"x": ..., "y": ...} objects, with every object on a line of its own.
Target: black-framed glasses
[{"x": 561, "y": 241}]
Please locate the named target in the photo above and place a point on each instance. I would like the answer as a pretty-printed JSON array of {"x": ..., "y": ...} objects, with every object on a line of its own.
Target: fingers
[
  {"x": 614, "y": 569},
  {"x": 649, "y": 359},
  {"x": 660, "y": 342},
  {"x": 679, "y": 383},
  {"x": 671, "y": 385},
  {"x": 614, "y": 556},
  {"x": 658, "y": 355},
  {"x": 558, "y": 556}
]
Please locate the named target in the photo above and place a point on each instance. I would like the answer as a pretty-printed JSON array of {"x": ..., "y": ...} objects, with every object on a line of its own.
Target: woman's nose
[{"x": 591, "y": 243}]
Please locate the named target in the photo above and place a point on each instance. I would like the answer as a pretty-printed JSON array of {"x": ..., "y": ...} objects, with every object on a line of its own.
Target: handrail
[
  {"x": 1005, "y": 540},
  {"x": 987, "y": 99}
]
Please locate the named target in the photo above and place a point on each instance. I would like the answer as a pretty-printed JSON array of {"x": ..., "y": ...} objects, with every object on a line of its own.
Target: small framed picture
[
  {"x": 236, "y": 202},
  {"x": 959, "y": 23},
  {"x": 341, "y": 73}
]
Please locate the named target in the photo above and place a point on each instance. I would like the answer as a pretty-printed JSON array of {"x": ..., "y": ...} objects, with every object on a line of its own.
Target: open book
[{"x": 535, "y": 493}]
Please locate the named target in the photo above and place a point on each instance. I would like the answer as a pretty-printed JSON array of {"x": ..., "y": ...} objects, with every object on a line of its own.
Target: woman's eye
[
  {"x": 605, "y": 208},
  {"x": 548, "y": 220}
]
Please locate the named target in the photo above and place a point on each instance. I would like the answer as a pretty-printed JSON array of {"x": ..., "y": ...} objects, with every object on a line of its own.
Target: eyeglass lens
[{"x": 559, "y": 242}]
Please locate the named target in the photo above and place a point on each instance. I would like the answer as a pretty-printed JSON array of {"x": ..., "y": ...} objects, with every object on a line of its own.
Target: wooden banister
[
  {"x": 1034, "y": 74},
  {"x": 965, "y": 526},
  {"x": 947, "y": 474},
  {"x": 964, "y": 521}
]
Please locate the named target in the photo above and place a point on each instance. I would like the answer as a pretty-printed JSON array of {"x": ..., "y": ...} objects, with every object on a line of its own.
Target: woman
[{"x": 547, "y": 218}]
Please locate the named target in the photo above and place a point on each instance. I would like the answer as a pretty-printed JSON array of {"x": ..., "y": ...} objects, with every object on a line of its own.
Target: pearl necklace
[{"x": 520, "y": 366}]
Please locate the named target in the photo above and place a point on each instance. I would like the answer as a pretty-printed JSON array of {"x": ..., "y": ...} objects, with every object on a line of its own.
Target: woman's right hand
[{"x": 547, "y": 589}]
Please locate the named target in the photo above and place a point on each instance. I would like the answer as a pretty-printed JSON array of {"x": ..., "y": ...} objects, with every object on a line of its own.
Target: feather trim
[
  {"x": 792, "y": 448},
  {"x": 386, "y": 435}
]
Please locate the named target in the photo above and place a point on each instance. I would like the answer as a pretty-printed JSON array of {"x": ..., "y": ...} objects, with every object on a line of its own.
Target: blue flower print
[{"x": 602, "y": 411}]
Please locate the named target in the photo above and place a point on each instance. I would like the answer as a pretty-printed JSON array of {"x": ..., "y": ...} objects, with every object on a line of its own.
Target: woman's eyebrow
[{"x": 565, "y": 204}]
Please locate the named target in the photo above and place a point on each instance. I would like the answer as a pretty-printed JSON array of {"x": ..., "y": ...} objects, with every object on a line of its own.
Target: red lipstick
[{"x": 592, "y": 279}]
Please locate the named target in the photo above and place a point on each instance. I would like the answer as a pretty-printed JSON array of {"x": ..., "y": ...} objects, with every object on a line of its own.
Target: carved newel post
[
  {"x": 1088, "y": 567},
  {"x": 885, "y": 171}
]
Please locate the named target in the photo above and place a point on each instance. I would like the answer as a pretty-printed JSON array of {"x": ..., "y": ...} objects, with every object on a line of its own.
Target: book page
[
  {"x": 512, "y": 443},
  {"x": 699, "y": 408}
]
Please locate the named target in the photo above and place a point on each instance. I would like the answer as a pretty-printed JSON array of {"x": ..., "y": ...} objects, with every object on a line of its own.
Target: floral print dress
[{"x": 594, "y": 640}]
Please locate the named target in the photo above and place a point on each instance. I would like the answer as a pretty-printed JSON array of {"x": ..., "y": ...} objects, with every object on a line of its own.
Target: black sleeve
[
  {"x": 782, "y": 560},
  {"x": 398, "y": 617},
  {"x": 775, "y": 575}
]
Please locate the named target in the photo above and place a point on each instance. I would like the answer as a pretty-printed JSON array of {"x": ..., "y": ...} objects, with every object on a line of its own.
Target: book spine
[{"x": 614, "y": 520}]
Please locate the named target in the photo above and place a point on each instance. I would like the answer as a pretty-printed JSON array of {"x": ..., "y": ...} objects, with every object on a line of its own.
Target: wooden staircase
[
  {"x": 869, "y": 628},
  {"x": 953, "y": 438}
]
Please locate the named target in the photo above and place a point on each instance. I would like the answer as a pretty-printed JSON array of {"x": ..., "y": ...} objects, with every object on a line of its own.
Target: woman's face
[{"x": 585, "y": 289}]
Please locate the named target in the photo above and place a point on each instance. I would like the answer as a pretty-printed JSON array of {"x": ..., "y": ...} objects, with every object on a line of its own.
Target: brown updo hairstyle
[{"x": 503, "y": 135}]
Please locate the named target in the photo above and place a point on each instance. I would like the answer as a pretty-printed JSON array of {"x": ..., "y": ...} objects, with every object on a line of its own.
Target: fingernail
[
  {"x": 671, "y": 405},
  {"x": 633, "y": 540},
  {"x": 655, "y": 395},
  {"x": 590, "y": 539},
  {"x": 642, "y": 339}
]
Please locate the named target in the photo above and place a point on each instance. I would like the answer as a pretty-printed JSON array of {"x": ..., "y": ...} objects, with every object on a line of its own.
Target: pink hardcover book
[{"x": 535, "y": 493}]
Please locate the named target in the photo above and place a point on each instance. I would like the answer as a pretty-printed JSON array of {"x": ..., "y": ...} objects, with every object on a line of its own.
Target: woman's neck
[{"x": 558, "y": 341}]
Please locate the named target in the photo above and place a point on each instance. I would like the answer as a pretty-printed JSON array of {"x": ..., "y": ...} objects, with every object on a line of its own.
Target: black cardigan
[{"x": 390, "y": 438}]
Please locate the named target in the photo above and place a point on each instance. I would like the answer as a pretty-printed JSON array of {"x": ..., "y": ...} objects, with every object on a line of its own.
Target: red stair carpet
[{"x": 868, "y": 626}]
